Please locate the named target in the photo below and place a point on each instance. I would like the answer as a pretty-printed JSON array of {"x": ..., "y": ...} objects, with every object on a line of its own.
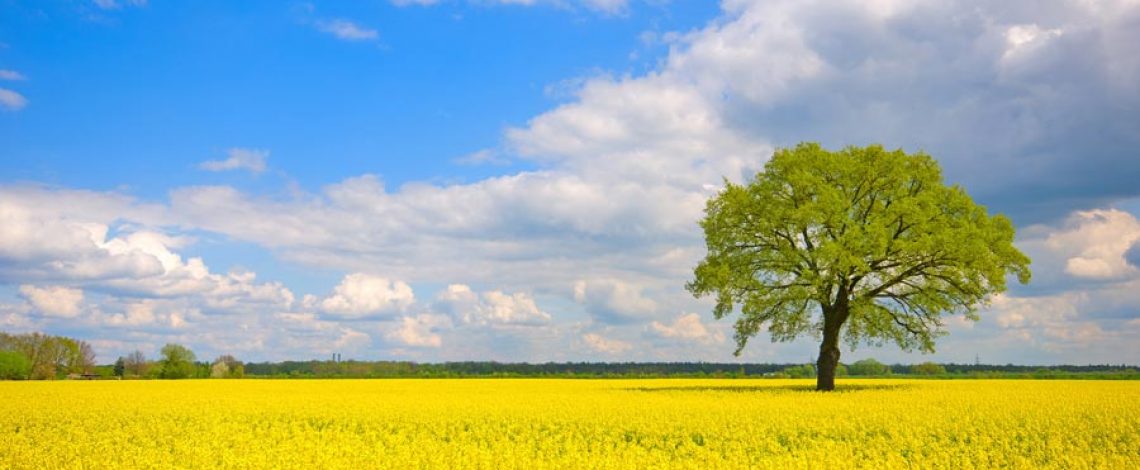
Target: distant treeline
[
  {"x": 351, "y": 368},
  {"x": 39, "y": 356}
]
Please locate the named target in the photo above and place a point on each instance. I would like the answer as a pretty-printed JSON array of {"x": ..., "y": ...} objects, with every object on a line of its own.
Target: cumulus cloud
[
  {"x": 352, "y": 339},
  {"x": 1097, "y": 241},
  {"x": 362, "y": 295},
  {"x": 605, "y": 345},
  {"x": 347, "y": 30},
  {"x": 687, "y": 327},
  {"x": 490, "y": 308},
  {"x": 1066, "y": 324},
  {"x": 252, "y": 160},
  {"x": 613, "y": 300},
  {"x": 140, "y": 313},
  {"x": 420, "y": 330},
  {"x": 1089, "y": 246},
  {"x": 86, "y": 240},
  {"x": 55, "y": 301},
  {"x": 11, "y": 100}
]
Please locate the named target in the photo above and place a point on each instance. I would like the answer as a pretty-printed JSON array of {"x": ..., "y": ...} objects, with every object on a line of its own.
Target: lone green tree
[
  {"x": 177, "y": 361},
  {"x": 862, "y": 243}
]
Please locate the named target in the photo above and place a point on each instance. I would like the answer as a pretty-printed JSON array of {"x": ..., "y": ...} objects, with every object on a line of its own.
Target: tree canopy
[
  {"x": 862, "y": 243},
  {"x": 177, "y": 361}
]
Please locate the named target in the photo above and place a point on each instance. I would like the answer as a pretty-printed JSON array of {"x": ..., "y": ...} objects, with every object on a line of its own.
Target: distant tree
[
  {"x": 120, "y": 367},
  {"x": 135, "y": 364},
  {"x": 219, "y": 370},
  {"x": 801, "y": 371},
  {"x": 47, "y": 354},
  {"x": 863, "y": 244},
  {"x": 928, "y": 368},
  {"x": 79, "y": 356},
  {"x": 227, "y": 366},
  {"x": 868, "y": 366},
  {"x": 840, "y": 370},
  {"x": 177, "y": 362},
  {"x": 14, "y": 365}
]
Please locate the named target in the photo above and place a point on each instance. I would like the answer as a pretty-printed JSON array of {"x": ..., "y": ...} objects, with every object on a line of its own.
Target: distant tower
[{"x": 977, "y": 360}]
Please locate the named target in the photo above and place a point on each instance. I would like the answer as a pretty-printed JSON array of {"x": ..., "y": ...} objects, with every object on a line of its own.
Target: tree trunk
[{"x": 829, "y": 351}]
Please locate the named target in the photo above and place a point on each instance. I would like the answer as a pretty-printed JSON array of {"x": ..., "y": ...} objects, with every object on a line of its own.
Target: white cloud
[
  {"x": 610, "y": 7},
  {"x": 252, "y": 160},
  {"x": 362, "y": 295},
  {"x": 352, "y": 339},
  {"x": 67, "y": 236},
  {"x": 420, "y": 330},
  {"x": 11, "y": 100},
  {"x": 11, "y": 75},
  {"x": 1061, "y": 323},
  {"x": 135, "y": 314},
  {"x": 605, "y": 345},
  {"x": 613, "y": 300},
  {"x": 15, "y": 318},
  {"x": 483, "y": 157},
  {"x": 403, "y": 3},
  {"x": 490, "y": 308},
  {"x": 1022, "y": 39},
  {"x": 54, "y": 301},
  {"x": 687, "y": 327},
  {"x": 500, "y": 308},
  {"x": 116, "y": 4},
  {"x": 347, "y": 30},
  {"x": 1093, "y": 243}
]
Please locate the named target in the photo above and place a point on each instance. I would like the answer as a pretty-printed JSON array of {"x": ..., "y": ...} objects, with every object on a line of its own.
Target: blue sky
[
  {"x": 520, "y": 181},
  {"x": 185, "y": 80}
]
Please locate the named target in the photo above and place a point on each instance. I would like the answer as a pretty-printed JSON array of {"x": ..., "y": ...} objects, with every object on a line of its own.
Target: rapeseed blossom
[{"x": 551, "y": 423}]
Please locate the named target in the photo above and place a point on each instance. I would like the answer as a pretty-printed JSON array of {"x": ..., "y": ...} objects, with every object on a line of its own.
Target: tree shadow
[{"x": 839, "y": 388}]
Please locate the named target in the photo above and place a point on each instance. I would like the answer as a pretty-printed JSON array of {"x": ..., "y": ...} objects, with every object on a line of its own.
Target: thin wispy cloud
[
  {"x": 404, "y": 3},
  {"x": 11, "y": 100},
  {"x": 11, "y": 75},
  {"x": 117, "y": 4},
  {"x": 347, "y": 30},
  {"x": 483, "y": 157},
  {"x": 608, "y": 7},
  {"x": 252, "y": 160}
]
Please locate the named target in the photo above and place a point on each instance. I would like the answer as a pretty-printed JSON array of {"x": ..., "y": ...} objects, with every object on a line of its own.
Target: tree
[
  {"x": 865, "y": 244},
  {"x": 227, "y": 366},
  {"x": 840, "y": 370},
  {"x": 928, "y": 368},
  {"x": 868, "y": 366},
  {"x": 14, "y": 365},
  {"x": 79, "y": 357},
  {"x": 177, "y": 362},
  {"x": 120, "y": 367},
  {"x": 796, "y": 372},
  {"x": 136, "y": 364},
  {"x": 47, "y": 354}
]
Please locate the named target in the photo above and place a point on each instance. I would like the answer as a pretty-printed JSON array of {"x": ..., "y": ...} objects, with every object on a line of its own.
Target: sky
[{"x": 521, "y": 180}]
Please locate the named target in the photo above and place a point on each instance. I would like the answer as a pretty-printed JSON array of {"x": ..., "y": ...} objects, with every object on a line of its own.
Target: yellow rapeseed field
[{"x": 547, "y": 423}]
